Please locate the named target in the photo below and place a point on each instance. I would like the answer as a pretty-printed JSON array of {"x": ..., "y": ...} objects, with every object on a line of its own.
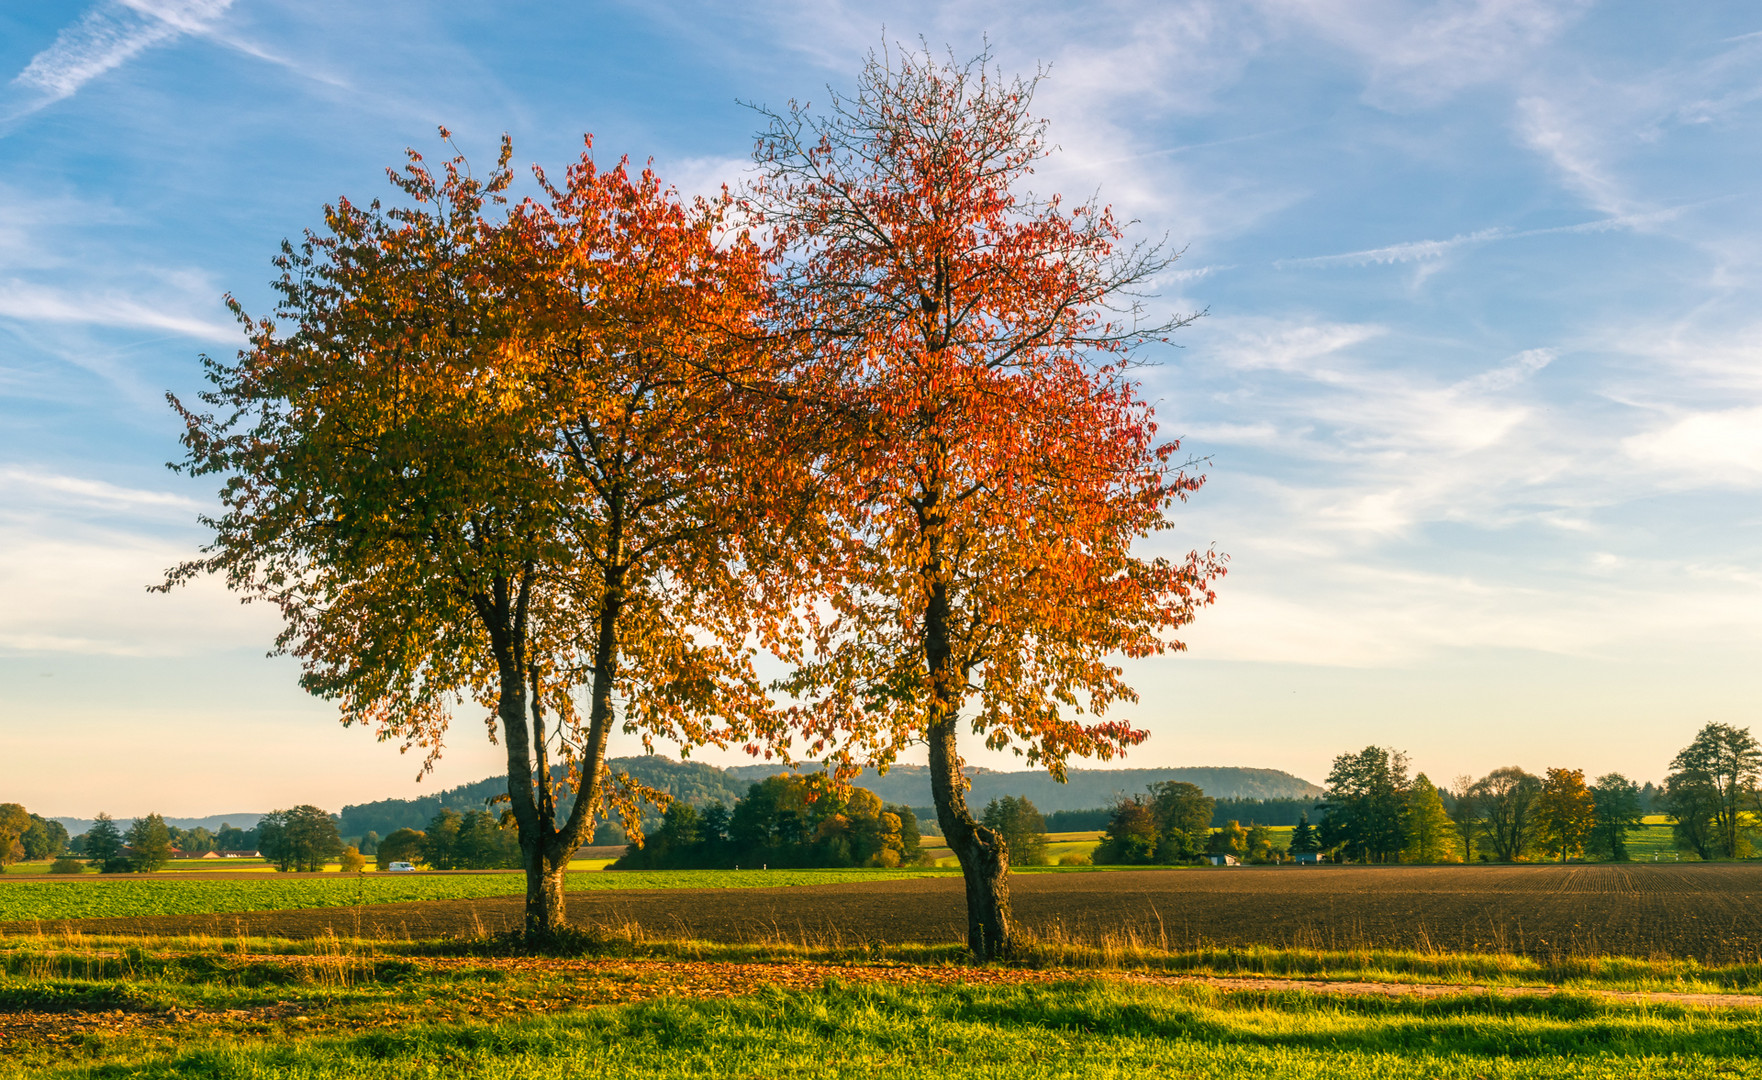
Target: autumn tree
[
  {"x": 1566, "y": 812},
  {"x": 996, "y": 465},
  {"x": 1230, "y": 839},
  {"x": 14, "y": 821},
  {"x": 1711, "y": 783},
  {"x": 1430, "y": 833},
  {"x": 499, "y": 460}
]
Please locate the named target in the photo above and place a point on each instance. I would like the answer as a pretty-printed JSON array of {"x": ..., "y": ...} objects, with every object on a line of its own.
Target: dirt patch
[{"x": 1708, "y": 911}]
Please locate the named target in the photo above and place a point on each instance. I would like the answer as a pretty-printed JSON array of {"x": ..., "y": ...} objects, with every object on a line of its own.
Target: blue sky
[{"x": 1481, "y": 382}]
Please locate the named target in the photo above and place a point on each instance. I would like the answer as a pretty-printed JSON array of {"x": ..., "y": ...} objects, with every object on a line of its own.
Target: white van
[{"x": 400, "y": 868}]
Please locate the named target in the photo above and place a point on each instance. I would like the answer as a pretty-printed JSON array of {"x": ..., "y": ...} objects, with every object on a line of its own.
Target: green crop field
[{"x": 127, "y": 897}]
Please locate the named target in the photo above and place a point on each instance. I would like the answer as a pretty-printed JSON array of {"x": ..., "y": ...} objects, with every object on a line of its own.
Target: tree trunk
[
  {"x": 984, "y": 858},
  {"x": 545, "y": 910}
]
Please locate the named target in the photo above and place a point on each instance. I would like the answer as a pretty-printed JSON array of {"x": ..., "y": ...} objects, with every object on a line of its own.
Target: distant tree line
[
  {"x": 474, "y": 840},
  {"x": 782, "y": 821},
  {"x": 1275, "y": 812},
  {"x": 26, "y": 837},
  {"x": 1372, "y": 812}
]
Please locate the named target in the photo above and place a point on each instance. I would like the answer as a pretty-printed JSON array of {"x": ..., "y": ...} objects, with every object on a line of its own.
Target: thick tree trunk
[
  {"x": 984, "y": 859},
  {"x": 983, "y": 856},
  {"x": 545, "y": 910}
]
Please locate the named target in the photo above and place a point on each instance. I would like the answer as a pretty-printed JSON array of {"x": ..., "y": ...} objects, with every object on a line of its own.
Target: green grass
[
  {"x": 1654, "y": 839},
  {"x": 117, "y": 897},
  {"x": 1079, "y": 1028}
]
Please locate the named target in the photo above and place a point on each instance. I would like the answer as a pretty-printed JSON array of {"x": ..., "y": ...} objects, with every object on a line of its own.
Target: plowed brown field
[{"x": 1709, "y": 911}]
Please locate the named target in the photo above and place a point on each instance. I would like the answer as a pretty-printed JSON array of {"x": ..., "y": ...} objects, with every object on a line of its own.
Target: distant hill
[
  {"x": 692, "y": 781},
  {"x": 700, "y": 785},
  {"x": 1084, "y": 789},
  {"x": 77, "y": 826}
]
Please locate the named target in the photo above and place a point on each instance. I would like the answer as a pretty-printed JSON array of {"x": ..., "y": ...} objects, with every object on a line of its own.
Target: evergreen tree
[
  {"x": 1429, "y": 829},
  {"x": 103, "y": 845},
  {"x": 1303, "y": 838}
]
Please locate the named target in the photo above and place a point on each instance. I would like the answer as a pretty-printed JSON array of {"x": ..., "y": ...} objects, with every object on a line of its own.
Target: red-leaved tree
[{"x": 996, "y": 465}]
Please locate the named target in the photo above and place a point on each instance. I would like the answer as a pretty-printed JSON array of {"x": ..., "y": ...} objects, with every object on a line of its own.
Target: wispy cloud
[
  {"x": 36, "y": 485},
  {"x": 105, "y": 38},
  {"x": 1427, "y": 250},
  {"x": 30, "y": 302},
  {"x": 1419, "y": 54}
]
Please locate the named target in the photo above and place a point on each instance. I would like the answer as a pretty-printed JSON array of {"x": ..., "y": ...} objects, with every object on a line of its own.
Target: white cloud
[
  {"x": 31, "y": 302},
  {"x": 1256, "y": 344},
  {"x": 105, "y": 38},
  {"x": 1723, "y": 446},
  {"x": 1368, "y": 614},
  {"x": 22, "y": 485},
  {"x": 1418, "y": 54}
]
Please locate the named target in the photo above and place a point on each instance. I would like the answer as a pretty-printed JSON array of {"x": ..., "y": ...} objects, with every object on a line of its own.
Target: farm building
[{"x": 1224, "y": 860}]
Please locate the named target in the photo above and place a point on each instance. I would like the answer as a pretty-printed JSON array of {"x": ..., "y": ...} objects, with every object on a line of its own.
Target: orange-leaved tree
[
  {"x": 1566, "y": 812},
  {"x": 404, "y": 479},
  {"x": 996, "y": 467}
]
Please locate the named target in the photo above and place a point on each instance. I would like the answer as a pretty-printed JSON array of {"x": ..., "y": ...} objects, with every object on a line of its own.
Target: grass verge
[{"x": 1068, "y": 1027}]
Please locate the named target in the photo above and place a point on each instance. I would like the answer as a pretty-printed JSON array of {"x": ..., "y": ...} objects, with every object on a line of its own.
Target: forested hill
[
  {"x": 76, "y": 826},
  {"x": 693, "y": 781},
  {"x": 1084, "y": 789},
  {"x": 701, "y": 785}
]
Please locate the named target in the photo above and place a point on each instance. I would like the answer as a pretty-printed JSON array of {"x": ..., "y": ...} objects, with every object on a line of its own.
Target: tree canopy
[{"x": 995, "y": 464}]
